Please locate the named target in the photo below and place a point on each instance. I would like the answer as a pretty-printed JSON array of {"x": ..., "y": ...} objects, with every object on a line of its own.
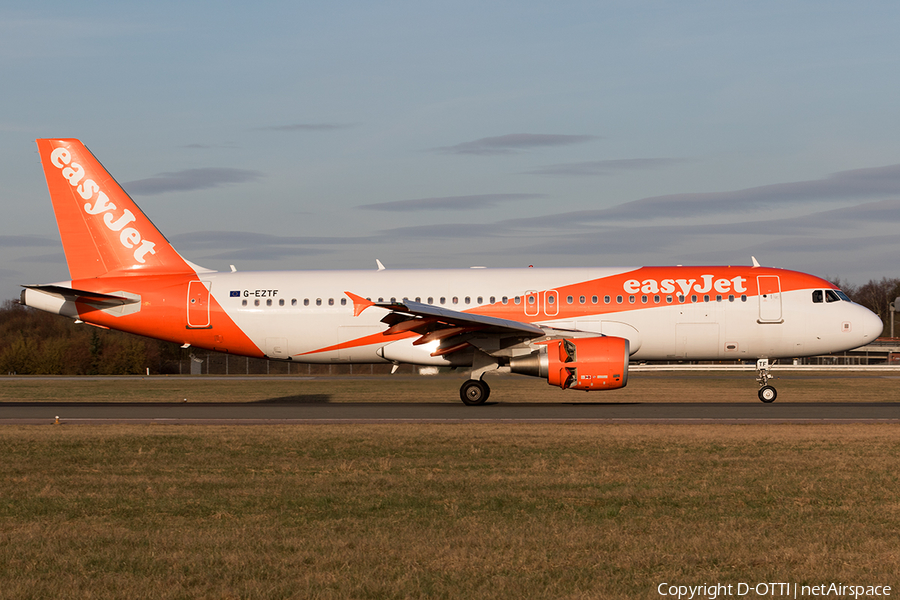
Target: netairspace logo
[{"x": 771, "y": 590}]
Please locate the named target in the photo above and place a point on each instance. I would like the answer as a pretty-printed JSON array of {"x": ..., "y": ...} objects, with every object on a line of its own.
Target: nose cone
[{"x": 869, "y": 324}]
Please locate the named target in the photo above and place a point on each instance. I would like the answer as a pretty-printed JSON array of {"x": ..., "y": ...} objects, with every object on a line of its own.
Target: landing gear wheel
[
  {"x": 767, "y": 394},
  {"x": 474, "y": 392}
]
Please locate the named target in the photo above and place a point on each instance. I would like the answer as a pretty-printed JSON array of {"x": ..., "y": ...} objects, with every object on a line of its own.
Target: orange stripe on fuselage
[{"x": 650, "y": 282}]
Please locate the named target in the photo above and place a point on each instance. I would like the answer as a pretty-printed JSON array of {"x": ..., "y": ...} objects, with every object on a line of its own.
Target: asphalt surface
[{"x": 296, "y": 413}]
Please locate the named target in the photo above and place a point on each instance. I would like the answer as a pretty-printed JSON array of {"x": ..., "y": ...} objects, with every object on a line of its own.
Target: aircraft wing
[{"x": 451, "y": 327}]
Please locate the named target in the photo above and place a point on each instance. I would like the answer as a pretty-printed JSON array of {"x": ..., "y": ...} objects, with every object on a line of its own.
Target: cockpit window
[{"x": 829, "y": 296}]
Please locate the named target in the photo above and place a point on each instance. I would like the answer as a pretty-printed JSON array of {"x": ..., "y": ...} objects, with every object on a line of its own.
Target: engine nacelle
[{"x": 596, "y": 363}]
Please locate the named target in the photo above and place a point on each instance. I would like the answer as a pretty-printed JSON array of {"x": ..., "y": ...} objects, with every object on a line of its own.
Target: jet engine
[{"x": 596, "y": 363}]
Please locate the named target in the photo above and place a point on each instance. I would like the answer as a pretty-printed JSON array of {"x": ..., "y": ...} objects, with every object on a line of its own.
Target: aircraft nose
[{"x": 871, "y": 325}]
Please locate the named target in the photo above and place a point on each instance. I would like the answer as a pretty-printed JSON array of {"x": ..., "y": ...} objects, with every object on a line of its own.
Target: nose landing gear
[{"x": 766, "y": 393}]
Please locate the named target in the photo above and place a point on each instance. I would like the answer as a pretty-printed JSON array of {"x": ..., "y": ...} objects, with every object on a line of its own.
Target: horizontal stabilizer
[{"x": 84, "y": 296}]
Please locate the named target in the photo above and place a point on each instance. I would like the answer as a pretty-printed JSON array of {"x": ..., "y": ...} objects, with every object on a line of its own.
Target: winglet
[
  {"x": 755, "y": 262},
  {"x": 359, "y": 303}
]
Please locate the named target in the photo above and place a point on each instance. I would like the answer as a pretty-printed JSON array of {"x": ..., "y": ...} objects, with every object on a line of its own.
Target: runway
[{"x": 325, "y": 413}]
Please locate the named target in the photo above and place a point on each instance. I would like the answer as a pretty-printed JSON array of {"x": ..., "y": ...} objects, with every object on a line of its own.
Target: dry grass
[
  {"x": 642, "y": 387},
  {"x": 568, "y": 511}
]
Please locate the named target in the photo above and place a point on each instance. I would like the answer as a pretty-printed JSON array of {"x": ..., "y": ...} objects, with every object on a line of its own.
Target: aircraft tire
[
  {"x": 474, "y": 392},
  {"x": 767, "y": 394}
]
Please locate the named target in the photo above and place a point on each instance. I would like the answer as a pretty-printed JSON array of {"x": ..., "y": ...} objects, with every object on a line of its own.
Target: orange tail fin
[{"x": 103, "y": 231}]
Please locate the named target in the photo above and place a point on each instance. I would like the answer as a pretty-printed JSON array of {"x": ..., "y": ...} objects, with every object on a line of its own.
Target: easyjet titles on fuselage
[
  {"x": 129, "y": 237},
  {"x": 707, "y": 284}
]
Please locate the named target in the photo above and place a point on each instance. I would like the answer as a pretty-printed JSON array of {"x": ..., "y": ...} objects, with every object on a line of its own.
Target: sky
[{"x": 325, "y": 135}]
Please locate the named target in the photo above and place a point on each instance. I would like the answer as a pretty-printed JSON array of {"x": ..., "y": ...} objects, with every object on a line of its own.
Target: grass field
[
  {"x": 426, "y": 511},
  {"x": 443, "y": 511},
  {"x": 642, "y": 387}
]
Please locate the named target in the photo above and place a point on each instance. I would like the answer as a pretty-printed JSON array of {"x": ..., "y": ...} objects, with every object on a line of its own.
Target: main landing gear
[
  {"x": 766, "y": 392},
  {"x": 474, "y": 392}
]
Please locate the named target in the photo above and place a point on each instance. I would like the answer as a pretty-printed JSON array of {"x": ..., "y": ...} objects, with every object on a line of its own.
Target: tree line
[{"x": 33, "y": 342}]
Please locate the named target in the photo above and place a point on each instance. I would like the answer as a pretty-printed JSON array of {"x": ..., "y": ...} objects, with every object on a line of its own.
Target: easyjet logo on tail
[{"x": 99, "y": 203}]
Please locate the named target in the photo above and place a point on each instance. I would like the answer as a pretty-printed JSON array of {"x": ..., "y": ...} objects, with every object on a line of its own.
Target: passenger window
[
  {"x": 581, "y": 299},
  {"x": 706, "y": 297},
  {"x": 551, "y": 299},
  {"x": 656, "y": 299},
  {"x": 505, "y": 299},
  {"x": 595, "y": 299},
  {"x": 693, "y": 297},
  {"x": 306, "y": 302},
  {"x": 443, "y": 299},
  {"x": 293, "y": 302},
  {"x": 244, "y": 302},
  {"x": 681, "y": 297},
  {"x": 343, "y": 302},
  {"x": 318, "y": 302},
  {"x": 269, "y": 302},
  {"x": 256, "y": 303},
  {"x": 331, "y": 302},
  {"x": 830, "y": 296},
  {"x": 455, "y": 300},
  {"x": 518, "y": 300},
  {"x": 618, "y": 299},
  {"x": 817, "y": 296},
  {"x": 430, "y": 299},
  {"x": 569, "y": 299},
  {"x": 493, "y": 300},
  {"x": 479, "y": 300},
  {"x": 281, "y": 302},
  {"x": 668, "y": 299},
  {"x": 468, "y": 300},
  {"x": 731, "y": 297},
  {"x": 631, "y": 299},
  {"x": 606, "y": 299},
  {"x": 743, "y": 297},
  {"x": 643, "y": 299}
]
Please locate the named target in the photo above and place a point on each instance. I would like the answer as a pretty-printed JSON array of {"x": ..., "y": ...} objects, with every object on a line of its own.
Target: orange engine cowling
[{"x": 597, "y": 363}]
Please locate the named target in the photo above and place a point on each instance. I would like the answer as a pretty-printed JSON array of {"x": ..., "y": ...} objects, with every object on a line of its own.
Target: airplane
[{"x": 577, "y": 328}]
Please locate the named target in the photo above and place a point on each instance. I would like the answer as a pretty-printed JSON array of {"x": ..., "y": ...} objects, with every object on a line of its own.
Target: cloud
[
  {"x": 444, "y": 231},
  {"x": 57, "y": 258},
  {"x": 306, "y": 127},
  {"x": 450, "y": 202},
  {"x": 604, "y": 167},
  {"x": 267, "y": 253},
  {"x": 515, "y": 142},
  {"x": 197, "y": 146},
  {"x": 198, "y": 240},
  {"x": 189, "y": 180},
  {"x": 27, "y": 241},
  {"x": 857, "y": 184}
]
